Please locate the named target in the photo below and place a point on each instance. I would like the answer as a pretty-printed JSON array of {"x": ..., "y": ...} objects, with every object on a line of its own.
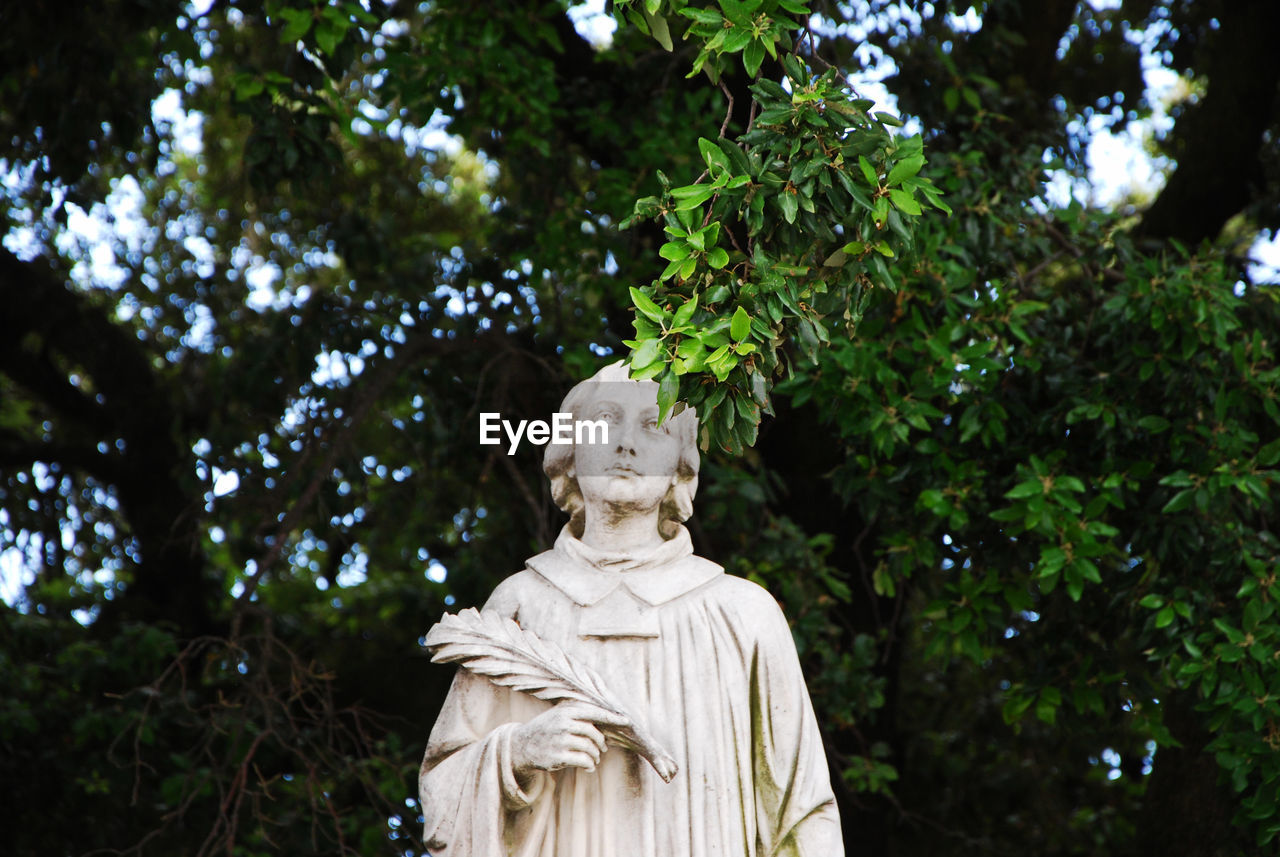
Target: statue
[{"x": 617, "y": 661}]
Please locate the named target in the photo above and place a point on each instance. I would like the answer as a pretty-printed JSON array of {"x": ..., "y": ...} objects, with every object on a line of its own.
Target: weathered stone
[{"x": 639, "y": 651}]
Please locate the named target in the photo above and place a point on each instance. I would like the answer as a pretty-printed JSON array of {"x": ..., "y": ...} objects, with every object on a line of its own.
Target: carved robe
[{"x": 706, "y": 658}]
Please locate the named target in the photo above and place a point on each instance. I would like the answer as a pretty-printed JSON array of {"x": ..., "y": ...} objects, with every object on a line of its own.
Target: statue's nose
[{"x": 626, "y": 436}]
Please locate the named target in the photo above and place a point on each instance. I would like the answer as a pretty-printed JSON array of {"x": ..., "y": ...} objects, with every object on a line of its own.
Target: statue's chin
[{"x": 620, "y": 493}]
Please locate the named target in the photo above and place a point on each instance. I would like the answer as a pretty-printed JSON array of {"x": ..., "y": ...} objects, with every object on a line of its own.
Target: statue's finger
[
  {"x": 582, "y": 744},
  {"x": 591, "y": 734},
  {"x": 575, "y": 759},
  {"x": 599, "y": 716}
]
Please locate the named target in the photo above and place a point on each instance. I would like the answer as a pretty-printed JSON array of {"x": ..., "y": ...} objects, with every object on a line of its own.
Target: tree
[{"x": 1010, "y": 468}]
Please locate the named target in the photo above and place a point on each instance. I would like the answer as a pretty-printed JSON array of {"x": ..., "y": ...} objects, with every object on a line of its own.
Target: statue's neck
[{"x": 621, "y": 530}]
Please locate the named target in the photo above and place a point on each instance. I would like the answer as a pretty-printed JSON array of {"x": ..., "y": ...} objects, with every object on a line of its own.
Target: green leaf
[
  {"x": 1088, "y": 570},
  {"x": 658, "y": 28},
  {"x": 779, "y": 115},
  {"x": 297, "y": 23},
  {"x": 1028, "y": 488},
  {"x": 740, "y": 326},
  {"x": 246, "y": 87},
  {"x": 327, "y": 36},
  {"x": 674, "y": 250},
  {"x": 752, "y": 57},
  {"x": 718, "y": 257},
  {"x": 905, "y": 202},
  {"x": 868, "y": 171},
  {"x": 787, "y": 201},
  {"x": 738, "y": 158},
  {"x": 1047, "y": 705},
  {"x": 668, "y": 390},
  {"x": 646, "y": 354},
  {"x": 692, "y": 196},
  {"x": 1015, "y": 706},
  {"x": 1051, "y": 561},
  {"x": 906, "y": 168},
  {"x": 1024, "y": 307},
  {"x": 704, "y": 16},
  {"x": 1153, "y": 424},
  {"x": 685, "y": 313},
  {"x": 647, "y": 306},
  {"x": 1180, "y": 501},
  {"x": 970, "y": 646},
  {"x": 1069, "y": 483},
  {"x": 716, "y": 159},
  {"x": 737, "y": 38}
]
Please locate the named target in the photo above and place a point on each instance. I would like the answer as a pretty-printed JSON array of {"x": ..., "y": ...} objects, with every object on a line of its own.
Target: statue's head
[{"x": 665, "y": 457}]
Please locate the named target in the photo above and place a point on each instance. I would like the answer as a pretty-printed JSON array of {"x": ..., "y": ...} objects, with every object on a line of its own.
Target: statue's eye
[
  {"x": 609, "y": 415},
  {"x": 652, "y": 425}
]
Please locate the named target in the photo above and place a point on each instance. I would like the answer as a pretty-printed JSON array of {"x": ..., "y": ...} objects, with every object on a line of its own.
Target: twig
[
  {"x": 813, "y": 52},
  {"x": 536, "y": 506},
  {"x": 710, "y": 207},
  {"x": 1030, "y": 275},
  {"x": 1078, "y": 254},
  {"x": 728, "y": 113},
  {"x": 734, "y": 241}
]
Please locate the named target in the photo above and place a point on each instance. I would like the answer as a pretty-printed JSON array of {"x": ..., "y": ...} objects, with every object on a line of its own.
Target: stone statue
[{"x": 673, "y": 669}]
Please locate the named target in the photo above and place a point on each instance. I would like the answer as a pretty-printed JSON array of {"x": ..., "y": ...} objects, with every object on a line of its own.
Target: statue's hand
[{"x": 566, "y": 736}]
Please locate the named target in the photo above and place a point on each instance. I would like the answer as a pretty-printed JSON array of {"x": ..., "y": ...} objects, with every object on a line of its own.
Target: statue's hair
[{"x": 676, "y": 507}]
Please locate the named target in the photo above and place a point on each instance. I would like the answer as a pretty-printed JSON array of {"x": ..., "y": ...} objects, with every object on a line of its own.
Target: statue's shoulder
[
  {"x": 749, "y": 599},
  {"x": 517, "y": 590}
]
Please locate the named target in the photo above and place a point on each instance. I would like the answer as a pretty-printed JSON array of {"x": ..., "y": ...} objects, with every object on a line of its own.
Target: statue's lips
[{"x": 622, "y": 470}]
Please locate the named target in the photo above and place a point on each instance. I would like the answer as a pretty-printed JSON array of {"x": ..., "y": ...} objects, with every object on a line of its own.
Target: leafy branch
[{"x": 826, "y": 196}]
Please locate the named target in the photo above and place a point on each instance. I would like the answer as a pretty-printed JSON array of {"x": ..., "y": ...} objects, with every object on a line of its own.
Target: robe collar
[{"x": 588, "y": 575}]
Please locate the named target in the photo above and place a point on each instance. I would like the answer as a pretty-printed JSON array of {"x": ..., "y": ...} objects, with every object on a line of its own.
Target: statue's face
[{"x": 638, "y": 465}]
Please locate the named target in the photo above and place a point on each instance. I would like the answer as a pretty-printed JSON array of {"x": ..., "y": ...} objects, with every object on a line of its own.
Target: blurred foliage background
[{"x": 264, "y": 264}]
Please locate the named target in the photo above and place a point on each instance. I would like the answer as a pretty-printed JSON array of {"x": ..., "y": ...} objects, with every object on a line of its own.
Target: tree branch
[
  {"x": 16, "y": 452},
  {"x": 131, "y": 405},
  {"x": 334, "y": 442},
  {"x": 1218, "y": 142}
]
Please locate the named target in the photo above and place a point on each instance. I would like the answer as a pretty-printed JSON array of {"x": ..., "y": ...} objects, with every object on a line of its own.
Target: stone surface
[{"x": 649, "y": 640}]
